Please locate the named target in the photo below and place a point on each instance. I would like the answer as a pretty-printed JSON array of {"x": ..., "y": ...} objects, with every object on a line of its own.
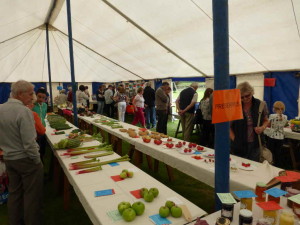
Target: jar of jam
[
  {"x": 227, "y": 211},
  {"x": 291, "y": 192},
  {"x": 245, "y": 217},
  {"x": 286, "y": 218},
  {"x": 274, "y": 199},
  {"x": 246, "y": 203},
  {"x": 263, "y": 221},
  {"x": 222, "y": 221},
  {"x": 296, "y": 209},
  {"x": 260, "y": 192},
  {"x": 270, "y": 215}
]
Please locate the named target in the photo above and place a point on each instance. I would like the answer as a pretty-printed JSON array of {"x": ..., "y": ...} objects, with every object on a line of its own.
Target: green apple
[
  {"x": 154, "y": 191},
  {"x": 143, "y": 191},
  {"x": 122, "y": 206},
  {"x": 123, "y": 175},
  {"x": 129, "y": 214},
  {"x": 148, "y": 196},
  {"x": 130, "y": 174},
  {"x": 164, "y": 211},
  {"x": 176, "y": 211},
  {"x": 169, "y": 204},
  {"x": 139, "y": 208},
  {"x": 126, "y": 171}
]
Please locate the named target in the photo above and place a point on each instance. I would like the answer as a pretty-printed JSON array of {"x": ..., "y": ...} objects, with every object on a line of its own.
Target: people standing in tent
[
  {"x": 40, "y": 107},
  {"x": 61, "y": 98},
  {"x": 169, "y": 104},
  {"x": 86, "y": 91},
  {"x": 276, "y": 134},
  {"x": 21, "y": 156},
  {"x": 208, "y": 130},
  {"x": 161, "y": 102},
  {"x": 149, "y": 96},
  {"x": 100, "y": 99},
  {"x": 185, "y": 105},
  {"x": 121, "y": 100},
  {"x": 81, "y": 96},
  {"x": 39, "y": 127},
  {"x": 70, "y": 96},
  {"x": 244, "y": 133},
  {"x": 138, "y": 103},
  {"x": 109, "y": 103}
]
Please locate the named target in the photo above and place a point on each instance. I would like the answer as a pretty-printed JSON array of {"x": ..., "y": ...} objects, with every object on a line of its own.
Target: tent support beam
[
  {"x": 153, "y": 38},
  {"x": 221, "y": 71},
  {"x": 74, "y": 88},
  {"x": 97, "y": 53},
  {"x": 49, "y": 66}
]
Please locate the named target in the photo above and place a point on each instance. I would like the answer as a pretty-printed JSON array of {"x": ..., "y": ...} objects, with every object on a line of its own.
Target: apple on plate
[
  {"x": 122, "y": 206},
  {"x": 169, "y": 139},
  {"x": 129, "y": 214},
  {"x": 170, "y": 145},
  {"x": 138, "y": 207},
  {"x": 169, "y": 204},
  {"x": 190, "y": 145},
  {"x": 183, "y": 142},
  {"x": 126, "y": 171},
  {"x": 129, "y": 174},
  {"x": 143, "y": 191},
  {"x": 200, "y": 148},
  {"x": 154, "y": 191},
  {"x": 164, "y": 211},
  {"x": 146, "y": 139},
  {"x": 123, "y": 175},
  {"x": 176, "y": 211},
  {"x": 148, "y": 196}
]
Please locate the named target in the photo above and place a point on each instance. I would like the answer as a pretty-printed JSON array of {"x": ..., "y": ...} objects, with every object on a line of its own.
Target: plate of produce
[
  {"x": 209, "y": 155},
  {"x": 200, "y": 148},
  {"x": 246, "y": 166},
  {"x": 187, "y": 151},
  {"x": 167, "y": 140},
  {"x": 169, "y": 146}
]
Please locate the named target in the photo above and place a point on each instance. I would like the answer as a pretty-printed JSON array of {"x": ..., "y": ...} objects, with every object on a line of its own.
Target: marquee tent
[{"x": 144, "y": 39}]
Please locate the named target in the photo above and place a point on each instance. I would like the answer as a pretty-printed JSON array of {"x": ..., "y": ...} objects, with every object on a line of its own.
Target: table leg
[
  {"x": 131, "y": 151},
  {"x": 119, "y": 146},
  {"x": 170, "y": 172},
  {"x": 149, "y": 161},
  {"x": 67, "y": 187},
  {"x": 156, "y": 164},
  {"x": 177, "y": 129},
  {"x": 57, "y": 171},
  {"x": 293, "y": 149},
  {"x": 138, "y": 158}
]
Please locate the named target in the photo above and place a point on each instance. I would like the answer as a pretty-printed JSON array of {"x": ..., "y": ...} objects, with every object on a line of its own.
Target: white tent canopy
[{"x": 144, "y": 39}]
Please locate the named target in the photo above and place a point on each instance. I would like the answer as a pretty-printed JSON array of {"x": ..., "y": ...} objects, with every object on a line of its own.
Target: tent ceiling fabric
[{"x": 263, "y": 37}]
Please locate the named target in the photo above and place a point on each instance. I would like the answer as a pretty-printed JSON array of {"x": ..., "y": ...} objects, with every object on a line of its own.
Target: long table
[
  {"x": 98, "y": 208},
  {"x": 198, "y": 169}
]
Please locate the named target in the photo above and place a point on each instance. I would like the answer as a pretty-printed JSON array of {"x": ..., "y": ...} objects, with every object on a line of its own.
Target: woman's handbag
[
  {"x": 130, "y": 109},
  {"x": 265, "y": 154},
  {"x": 198, "y": 119}
]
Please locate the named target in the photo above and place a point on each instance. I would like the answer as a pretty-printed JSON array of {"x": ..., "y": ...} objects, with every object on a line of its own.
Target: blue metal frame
[
  {"x": 221, "y": 71},
  {"x": 49, "y": 65},
  {"x": 72, "y": 62}
]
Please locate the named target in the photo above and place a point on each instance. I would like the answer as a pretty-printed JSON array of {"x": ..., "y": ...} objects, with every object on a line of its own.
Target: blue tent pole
[
  {"x": 221, "y": 71},
  {"x": 49, "y": 65},
  {"x": 74, "y": 88}
]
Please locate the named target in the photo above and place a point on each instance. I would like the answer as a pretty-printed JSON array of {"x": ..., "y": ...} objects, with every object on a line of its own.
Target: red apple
[
  {"x": 199, "y": 148},
  {"x": 190, "y": 145},
  {"x": 184, "y": 143},
  {"x": 169, "y": 139},
  {"x": 171, "y": 145},
  {"x": 185, "y": 150},
  {"x": 190, "y": 150}
]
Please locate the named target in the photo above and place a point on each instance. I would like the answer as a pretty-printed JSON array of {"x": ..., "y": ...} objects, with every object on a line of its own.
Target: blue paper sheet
[
  {"x": 158, "y": 220},
  {"x": 275, "y": 192},
  {"x": 245, "y": 194},
  {"x": 114, "y": 164},
  {"x": 104, "y": 192}
]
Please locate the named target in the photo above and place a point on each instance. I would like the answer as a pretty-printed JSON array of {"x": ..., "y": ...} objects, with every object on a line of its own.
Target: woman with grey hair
[
  {"x": 62, "y": 97},
  {"x": 244, "y": 133}
]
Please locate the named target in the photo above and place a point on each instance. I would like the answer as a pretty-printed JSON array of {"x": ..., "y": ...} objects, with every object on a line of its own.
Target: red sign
[{"x": 270, "y": 82}]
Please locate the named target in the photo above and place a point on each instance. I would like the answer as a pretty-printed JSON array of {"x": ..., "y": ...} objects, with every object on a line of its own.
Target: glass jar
[
  {"x": 260, "y": 192},
  {"x": 222, "y": 221},
  {"x": 286, "y": 218},
  {"x": 291, "y": 192},
  {"x": 245, "y": 217},
  {"x": 285, "y": 185},
  {"x": 263, "y": 221},
  {"x": 274, "y": 199},
  {"x": 296, "y": 209},
  {"x": 246, "y": 203},
  {"x": 227, "y": 211},
  {"x": 271, "y": 215}
]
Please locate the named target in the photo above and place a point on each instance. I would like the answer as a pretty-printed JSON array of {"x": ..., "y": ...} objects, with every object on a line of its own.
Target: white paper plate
[
  {"x": 186, "y": 153},
  {"x": 250, "y": 168},
  {"x": 165, "y": 147},
  {"x": 204, "y": 150},
  {"x": 209, "y": 155}
]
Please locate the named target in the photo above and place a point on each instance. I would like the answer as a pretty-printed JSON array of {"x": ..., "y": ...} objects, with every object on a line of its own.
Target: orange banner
[{"x": 227, "y": 106}]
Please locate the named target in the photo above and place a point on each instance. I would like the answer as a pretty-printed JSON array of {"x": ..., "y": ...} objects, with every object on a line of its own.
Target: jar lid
[
  {"x": 223, "y": 221},
  {"x": 261, "y": 184},
  {"x": 293, "y": 191},
  {"x": 246, "y": 213},
  {"x": 287, "y": 213}
]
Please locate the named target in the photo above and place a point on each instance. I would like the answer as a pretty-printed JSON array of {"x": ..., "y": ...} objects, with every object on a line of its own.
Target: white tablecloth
[
  {"x": 97, "y": 207},
  {"x": 198, "y": 169}
]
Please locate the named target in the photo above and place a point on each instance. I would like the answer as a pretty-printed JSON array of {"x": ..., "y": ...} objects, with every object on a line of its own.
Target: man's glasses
[{"x": 245, "y": 96}]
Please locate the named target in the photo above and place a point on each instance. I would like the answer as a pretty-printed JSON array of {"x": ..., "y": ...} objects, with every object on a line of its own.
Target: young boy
[
  {"x": 40, "y": 107},
  {"x": 276, "y": 136}
]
